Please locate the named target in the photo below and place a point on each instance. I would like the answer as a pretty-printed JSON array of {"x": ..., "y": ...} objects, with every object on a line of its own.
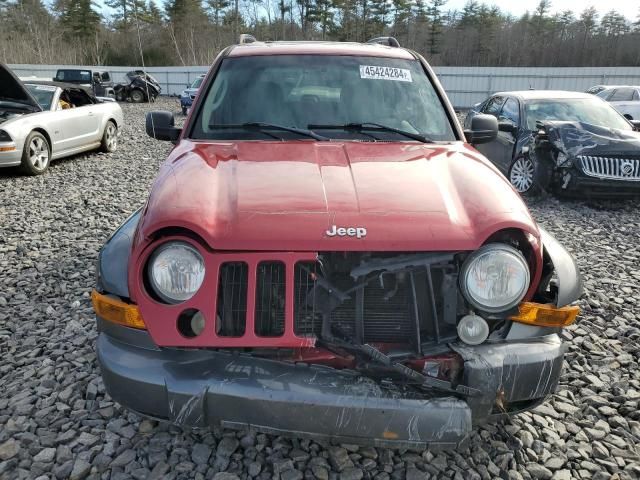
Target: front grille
[
  {"x": 293, "y": 299},
  {"x": 414, "y": 305},
  {"x": 611, "y": 168}
]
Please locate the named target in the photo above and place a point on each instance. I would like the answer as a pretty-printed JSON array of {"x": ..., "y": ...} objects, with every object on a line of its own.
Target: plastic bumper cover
[{"x": 201, "y": 388}]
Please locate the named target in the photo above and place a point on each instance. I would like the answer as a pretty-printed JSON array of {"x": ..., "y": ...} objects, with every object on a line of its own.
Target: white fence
[{"x": 464, "y": 85}]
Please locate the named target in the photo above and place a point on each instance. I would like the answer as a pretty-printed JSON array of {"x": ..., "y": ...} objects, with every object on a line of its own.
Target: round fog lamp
[
  {"x": 191, "y": 323},
  {"x": 473, "y": 329}
]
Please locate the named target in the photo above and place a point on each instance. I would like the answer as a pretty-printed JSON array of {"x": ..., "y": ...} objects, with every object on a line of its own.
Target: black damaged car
[{"x": 562, "y": 142}]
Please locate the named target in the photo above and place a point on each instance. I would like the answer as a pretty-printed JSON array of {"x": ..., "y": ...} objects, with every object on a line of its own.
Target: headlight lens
[
  {"x": 176, "y": 271},
  {"x": 495, "y": 278},
  {"x": 5, "y": 137}
]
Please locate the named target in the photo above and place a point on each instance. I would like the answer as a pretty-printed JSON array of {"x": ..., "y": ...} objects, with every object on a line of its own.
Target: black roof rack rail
[
  {"x": 388, "y": 41},
  {"x": 246, "y": 38}
]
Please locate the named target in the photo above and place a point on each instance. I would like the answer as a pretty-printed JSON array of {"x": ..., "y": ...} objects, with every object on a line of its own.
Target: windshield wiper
[
  {"x": 262, "y": 126},
  {"x": 360, "y": 127}
]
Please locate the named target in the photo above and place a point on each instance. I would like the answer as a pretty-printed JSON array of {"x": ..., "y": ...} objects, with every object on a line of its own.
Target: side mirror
[
  {"x": 508, "y": 127},
  {"x": 636, "y": 124},
  {"x": 484, "y": 129},
  {"x": 160, "y": 125}
]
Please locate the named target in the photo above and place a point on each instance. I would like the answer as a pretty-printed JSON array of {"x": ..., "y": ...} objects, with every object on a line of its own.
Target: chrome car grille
[{"x": 611, "y": 168}]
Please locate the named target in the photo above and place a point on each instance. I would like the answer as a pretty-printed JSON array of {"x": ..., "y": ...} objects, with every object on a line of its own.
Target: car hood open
[
  {"x": 288, "y": 196},
  {"x": 13, "y": 90}
]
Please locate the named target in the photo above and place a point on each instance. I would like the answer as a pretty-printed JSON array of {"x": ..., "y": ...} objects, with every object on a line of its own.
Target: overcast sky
[{"x": 629, "y": 8}]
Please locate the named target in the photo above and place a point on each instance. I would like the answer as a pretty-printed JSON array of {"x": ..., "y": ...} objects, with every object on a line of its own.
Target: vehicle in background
[
  {"x": 188, "y": 95},
  {"x": 138, "y": 87},
  {"x": 562, "y": 141},
  {"x": 595, "y": 89},
  {"x": 41, "y": 121},
  {"x": 324, "y": 254},
  {"x": 99, "y": 81},
  {"x": 625, "y": 99}
]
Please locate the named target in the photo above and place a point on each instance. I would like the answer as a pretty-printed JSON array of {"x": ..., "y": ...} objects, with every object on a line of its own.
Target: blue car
[{"x": 188, "y": 95}]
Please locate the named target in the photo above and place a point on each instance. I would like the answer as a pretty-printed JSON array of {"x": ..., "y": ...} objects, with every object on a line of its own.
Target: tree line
[{"x": 192, "y": 32}]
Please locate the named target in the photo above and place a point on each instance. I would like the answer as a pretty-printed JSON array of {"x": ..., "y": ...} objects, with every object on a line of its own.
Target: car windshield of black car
[{"x": 586, "y": 110}]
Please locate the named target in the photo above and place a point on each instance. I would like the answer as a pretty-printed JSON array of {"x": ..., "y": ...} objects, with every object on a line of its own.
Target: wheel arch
[{"x": 46, "y": 135}]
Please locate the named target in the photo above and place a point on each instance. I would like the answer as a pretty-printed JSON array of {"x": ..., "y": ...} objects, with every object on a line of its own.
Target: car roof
[
  {"x": 319, "y": 48},
  {"x": 610, "y": 87},
  {"x": 544, "y": 94}
]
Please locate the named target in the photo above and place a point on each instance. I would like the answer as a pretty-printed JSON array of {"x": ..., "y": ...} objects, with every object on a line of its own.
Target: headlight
[
  {"x": 4, "y": 136},
  {"x": 495, "y": 278},
  {"x": 176, "y": 271}
]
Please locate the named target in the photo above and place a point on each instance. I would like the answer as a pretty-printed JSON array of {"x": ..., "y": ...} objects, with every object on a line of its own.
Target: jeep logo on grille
[
  {"x": 335, "y": 231},
  {"x": 627, "y": 168}
]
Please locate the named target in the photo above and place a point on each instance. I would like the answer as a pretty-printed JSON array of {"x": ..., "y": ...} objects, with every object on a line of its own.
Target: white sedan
[
  {"x": 625, "y": 99},
  {"x": 41, "y": 121}
]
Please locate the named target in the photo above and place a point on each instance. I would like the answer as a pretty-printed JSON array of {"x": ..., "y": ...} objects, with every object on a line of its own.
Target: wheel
[
  {"x": 137, "y": 96},
  {"x": 522, "y": 175},
  {"x": 120, "y": 96},
  {"x": 36, "y": 154},
  {"x": 109, "y": 141}
]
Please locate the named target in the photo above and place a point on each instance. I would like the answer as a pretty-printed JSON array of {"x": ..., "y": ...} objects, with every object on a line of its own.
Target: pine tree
[
  {"x": 79, "y": 19},
  {"x": 217, "y": 9},
  {"x": 435, "y": 25}
]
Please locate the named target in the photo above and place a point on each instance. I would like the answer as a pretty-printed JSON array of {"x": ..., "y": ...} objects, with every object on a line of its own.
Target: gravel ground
[{"x": 57, "y": 422}]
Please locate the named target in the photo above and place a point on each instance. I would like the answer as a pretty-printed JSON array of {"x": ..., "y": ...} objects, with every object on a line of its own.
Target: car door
[
  {"x": 509, "y": 118},
  {"x": 492, "y": 150},
  {"x": 79, "y": 124}
]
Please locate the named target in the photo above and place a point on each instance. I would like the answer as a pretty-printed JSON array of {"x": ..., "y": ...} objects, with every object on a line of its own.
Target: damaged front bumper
[{"x": 205, "y": 388}]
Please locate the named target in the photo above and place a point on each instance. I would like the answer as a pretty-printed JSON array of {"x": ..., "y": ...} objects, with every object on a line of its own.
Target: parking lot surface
[{"x": 57, "y": 422}]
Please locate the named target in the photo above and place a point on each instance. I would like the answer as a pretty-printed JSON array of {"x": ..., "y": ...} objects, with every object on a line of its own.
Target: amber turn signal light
[
  {"x": 116, "y": 311},
  {"x": 7, "y": 149},
  {"x": 545, "y": 315}
]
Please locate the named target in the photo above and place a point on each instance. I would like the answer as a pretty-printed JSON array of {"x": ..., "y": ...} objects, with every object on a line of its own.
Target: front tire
[
  {"x": 522, "y": 175},
  {"x": 36, "y": 154},
  {"x": 137, "y": 96},
  {"x": 109, "y": 141}
]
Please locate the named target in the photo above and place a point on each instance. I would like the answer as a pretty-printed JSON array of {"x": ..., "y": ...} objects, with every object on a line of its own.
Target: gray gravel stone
[
  {"x": 9, "y": 449},
  {"x": 46, "y": 455}
]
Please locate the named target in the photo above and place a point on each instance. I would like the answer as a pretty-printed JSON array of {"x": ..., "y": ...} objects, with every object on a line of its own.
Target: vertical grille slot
[
  {"x": 232, "y": 299},
  {"x": 270, "y": 299},
  {"x": 308, "y": 320}
]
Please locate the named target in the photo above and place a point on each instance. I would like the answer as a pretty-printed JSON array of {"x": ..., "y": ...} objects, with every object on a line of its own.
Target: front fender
[
  {"x": 568, "y": 275},
  {"x": 113, "y": 260}
]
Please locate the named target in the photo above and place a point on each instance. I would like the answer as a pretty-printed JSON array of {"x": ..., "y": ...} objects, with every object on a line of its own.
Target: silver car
[
  {"x": 42, "y": 121},
  {"x": 625, "y": 99}
]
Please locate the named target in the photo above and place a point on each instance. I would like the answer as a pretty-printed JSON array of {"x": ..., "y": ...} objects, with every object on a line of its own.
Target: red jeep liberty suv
[{"x": 324, "y": 254}]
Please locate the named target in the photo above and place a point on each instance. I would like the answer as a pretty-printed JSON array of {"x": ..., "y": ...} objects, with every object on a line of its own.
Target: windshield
[
  {"x": 197, "y": 82},
  {"x": 313, "y": 91},
  {"x": 586, "y": 110},
  {"x": 83, "y": 76},
  {"x": 43, "y": 94}
]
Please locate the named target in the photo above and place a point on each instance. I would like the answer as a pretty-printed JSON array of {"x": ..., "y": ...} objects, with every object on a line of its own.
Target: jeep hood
[
  {"x": 285, "y": 196},
  {"x": 13, "y": 90}
]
